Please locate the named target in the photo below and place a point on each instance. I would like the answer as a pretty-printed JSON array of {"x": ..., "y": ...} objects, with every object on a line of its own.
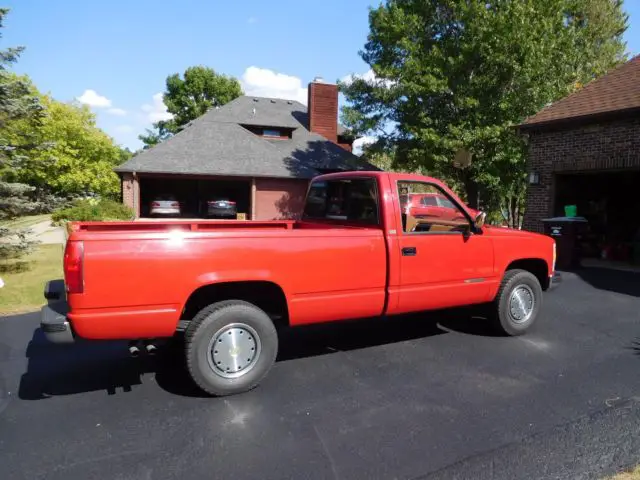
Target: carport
[
  {"x": 611, "y": 204},
  {"x": 193, "y": 192}
]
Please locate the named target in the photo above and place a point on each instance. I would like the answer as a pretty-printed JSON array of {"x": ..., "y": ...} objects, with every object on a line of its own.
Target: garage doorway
[
  {"x": 193, "y": 194},
  {"x": 610, "y": 201}
]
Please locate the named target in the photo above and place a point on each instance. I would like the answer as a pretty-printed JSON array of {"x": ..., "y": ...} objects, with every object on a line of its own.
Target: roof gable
[{"x": 617, "y": 91}]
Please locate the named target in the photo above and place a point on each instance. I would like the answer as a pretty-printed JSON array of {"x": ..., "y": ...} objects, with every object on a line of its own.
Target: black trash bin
[{"x": 567, "y": 231}]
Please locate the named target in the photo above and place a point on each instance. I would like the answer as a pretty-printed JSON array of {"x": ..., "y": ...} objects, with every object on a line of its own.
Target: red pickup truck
[{"x": 355, "y": 253}]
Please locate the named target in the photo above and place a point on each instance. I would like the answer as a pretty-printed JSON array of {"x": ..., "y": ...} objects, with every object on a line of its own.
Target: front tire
[
  {"x": 518, "y": 302},
  {"x": 230, "y": 347}
]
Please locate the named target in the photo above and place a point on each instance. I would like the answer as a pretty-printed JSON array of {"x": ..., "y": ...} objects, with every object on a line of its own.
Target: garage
[
  {"x": 611, "y": 205},
  {"x": 192, "y": 194},
  {"x": 584, "y": 152}
]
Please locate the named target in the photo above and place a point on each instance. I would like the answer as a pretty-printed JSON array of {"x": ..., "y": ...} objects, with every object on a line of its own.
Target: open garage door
[
  {"x": 193, "y": 194},
  {"x": 610, "y": 201}
]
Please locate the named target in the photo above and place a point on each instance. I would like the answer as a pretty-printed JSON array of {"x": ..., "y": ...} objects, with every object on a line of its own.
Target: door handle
[{"x": 409, "y": 251}]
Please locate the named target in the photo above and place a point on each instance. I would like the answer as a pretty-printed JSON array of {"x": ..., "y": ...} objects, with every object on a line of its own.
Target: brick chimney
[{"x": 323, "y": 109}]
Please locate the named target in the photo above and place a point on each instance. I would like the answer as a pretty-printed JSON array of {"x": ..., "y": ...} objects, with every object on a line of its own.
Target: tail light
[
  {"x": 175, "y": 204},
  {"x": 155, "y": 204},
  {"x": 73, "y": 267}
]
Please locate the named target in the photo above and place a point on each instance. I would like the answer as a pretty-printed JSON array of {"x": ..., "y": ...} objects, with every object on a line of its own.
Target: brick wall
[
  {"x": 614, "y": 145},
  {"x": 347, "y": 146},
  {"x": 131, "y": 192},
  {"x": 323, "y": 110}
]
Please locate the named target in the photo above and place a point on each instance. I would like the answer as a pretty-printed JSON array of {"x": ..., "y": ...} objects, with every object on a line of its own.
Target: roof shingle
[
  {"x": 218, "y": 144},
  {"x": 616, "y": 91}
]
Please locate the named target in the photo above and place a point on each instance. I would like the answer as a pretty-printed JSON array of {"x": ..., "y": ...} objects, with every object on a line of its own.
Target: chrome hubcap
[
  {"x": 521, "y": 303},
  {"x": 234, "y": 350}
]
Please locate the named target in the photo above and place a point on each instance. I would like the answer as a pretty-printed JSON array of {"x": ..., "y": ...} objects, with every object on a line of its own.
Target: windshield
[{"x": 343, "y": 199}]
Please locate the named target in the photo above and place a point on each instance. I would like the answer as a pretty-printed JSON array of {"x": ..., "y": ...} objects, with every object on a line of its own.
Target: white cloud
[
  {"x": 361, "y": 142},
  {"x": 252, "y": 20},
  {"x": 157, "y": 110},
  {"x": 93, "y": 99},
  {"x": 262, "y": 82},
  {"x": 124, "y": 129},
  {"x": 370, "y": 77},
  {"x": 118, "y": 112}
]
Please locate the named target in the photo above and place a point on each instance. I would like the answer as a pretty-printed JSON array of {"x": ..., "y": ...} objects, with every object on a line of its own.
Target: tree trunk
[
  {"x": 513, "y": 212},
  {"x": 471, "y": 189}
]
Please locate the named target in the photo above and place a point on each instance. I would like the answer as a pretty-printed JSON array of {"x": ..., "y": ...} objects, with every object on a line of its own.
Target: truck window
[
  {"x": 422, "y": 217},
  {"x": 352, "y": 199},
  {"x": 445, "y": 203},
  {"x": 429, "y": 201}
]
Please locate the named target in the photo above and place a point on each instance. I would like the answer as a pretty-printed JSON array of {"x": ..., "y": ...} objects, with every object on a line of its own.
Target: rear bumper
[
  {"x": 164, "y": 211},
  {"x": 53, "y": 316},
  {"x": 212, "y": 212}
]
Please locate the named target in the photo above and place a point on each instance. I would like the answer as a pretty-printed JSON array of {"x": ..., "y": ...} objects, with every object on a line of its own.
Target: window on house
[{"x": 269, "y": 132}]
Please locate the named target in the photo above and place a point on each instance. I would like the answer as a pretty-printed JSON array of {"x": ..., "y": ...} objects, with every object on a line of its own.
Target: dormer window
[{"x": 270, "y": 132}]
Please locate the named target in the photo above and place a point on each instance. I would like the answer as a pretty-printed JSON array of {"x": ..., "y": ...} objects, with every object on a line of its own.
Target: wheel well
[
  {"x": 267, "y": 296},
  {"x": 536, "y": 266}
]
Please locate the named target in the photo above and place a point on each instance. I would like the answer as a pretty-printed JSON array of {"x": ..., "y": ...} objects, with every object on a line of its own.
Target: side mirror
[{"x": 478, "y": 222}]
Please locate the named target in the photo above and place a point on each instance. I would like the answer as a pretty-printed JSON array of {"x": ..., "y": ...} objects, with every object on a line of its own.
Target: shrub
[
  {"x": 49, "y": 202},
  {"x": 93, "y": 210},
  {"x": 14, "y": 244}
]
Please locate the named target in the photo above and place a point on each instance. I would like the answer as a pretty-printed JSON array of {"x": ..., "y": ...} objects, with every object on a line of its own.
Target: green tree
[
  {"x": 190, "y": 96},
  {"x": 17, "y": 103},
  {"x": 80, "y": 158},
  {"x": 153, "y": 136},
  {"x": 459, "y": 74}
]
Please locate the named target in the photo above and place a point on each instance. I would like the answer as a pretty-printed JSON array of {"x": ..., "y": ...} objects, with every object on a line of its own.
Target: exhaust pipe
[
  {"x": 151, "y": 349},
  {"x": 134, "y": 351}
]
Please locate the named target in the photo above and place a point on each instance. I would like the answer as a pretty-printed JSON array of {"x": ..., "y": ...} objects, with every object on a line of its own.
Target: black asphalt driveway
[{"x": 431, "y": 396}]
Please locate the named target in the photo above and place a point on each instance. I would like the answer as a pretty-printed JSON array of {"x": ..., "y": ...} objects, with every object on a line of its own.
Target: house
[
  {"x": 259, "y": 152},
  {"x": 584, "y": 150}
]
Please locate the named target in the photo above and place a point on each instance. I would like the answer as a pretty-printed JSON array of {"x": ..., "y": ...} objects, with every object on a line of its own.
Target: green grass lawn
[
  {"x": 25, "y": 222},
  {"x": 24, "y": 279},
  {"x": 630, "y": 475}
]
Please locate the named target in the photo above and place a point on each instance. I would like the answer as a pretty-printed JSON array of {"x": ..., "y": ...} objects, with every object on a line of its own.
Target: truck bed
[{"x": 141, "y": 274}]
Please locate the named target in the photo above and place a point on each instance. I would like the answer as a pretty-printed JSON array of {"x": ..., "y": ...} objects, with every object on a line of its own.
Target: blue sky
[{"x": 115, "y": 55}]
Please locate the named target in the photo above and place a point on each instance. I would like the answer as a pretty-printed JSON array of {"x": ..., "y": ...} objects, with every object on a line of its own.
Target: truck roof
[{"x": 374, "y": 174}]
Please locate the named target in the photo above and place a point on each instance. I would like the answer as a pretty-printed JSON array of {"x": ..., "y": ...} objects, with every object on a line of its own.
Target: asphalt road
[{"x": 433, "y": 397}]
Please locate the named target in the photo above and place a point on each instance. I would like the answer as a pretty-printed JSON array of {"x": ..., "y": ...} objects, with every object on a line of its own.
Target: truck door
[{"x": 442, "y": 263}]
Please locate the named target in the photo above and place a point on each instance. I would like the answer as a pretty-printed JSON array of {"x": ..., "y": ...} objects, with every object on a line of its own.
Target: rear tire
[
  {"x": 230, "y": 347},
  {"x": 518, "y": 302}
]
